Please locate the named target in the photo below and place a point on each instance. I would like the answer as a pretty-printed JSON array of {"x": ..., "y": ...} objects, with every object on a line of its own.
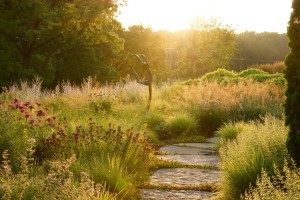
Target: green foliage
[
  {"x": 283, "y": 185},
  {"x": 220, "y": 75},
  {"x": 292, "y": 75},
  {"x": 251, "y": 72},
  {"x": 224, "y": 76},
  {"x": 257, "y": 147}
]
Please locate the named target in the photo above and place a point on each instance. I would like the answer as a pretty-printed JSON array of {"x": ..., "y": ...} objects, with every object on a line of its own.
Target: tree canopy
[{"x": 43, "y": 37}]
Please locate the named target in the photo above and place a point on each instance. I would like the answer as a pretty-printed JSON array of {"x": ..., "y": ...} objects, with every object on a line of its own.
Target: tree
[
  {"x": 211, "y": 46},
  {"x": 35, "y": 34},
  {"x": 292, "y": 74}
]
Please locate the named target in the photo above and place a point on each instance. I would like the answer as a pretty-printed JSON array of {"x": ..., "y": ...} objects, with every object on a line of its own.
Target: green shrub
[
  {"x": 219, "y": 75},
  {"x": 251, "y": 73},
  {"x": 278, "y": 80},
  {"x": 258, "y": 146}
]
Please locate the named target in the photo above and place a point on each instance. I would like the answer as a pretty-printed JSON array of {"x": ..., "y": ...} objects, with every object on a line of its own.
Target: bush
[
  {"x": 251, "y": 73},
  {"x": 219, "y": 75},
  {"x": 257, "y": 147}
]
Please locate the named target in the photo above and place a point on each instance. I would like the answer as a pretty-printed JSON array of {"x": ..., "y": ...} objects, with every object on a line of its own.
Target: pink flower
[
  {"x": 38, "y": 103},
  {"x": 40, "y": 113},
  {"x": 27, "y": 114}
]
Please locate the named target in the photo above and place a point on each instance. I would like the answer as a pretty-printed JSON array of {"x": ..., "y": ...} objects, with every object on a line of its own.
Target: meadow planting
[{"x": 97, "y": 141}]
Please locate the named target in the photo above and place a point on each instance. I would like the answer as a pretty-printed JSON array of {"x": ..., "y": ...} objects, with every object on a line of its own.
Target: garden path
[{"x": 188, "y": 183}]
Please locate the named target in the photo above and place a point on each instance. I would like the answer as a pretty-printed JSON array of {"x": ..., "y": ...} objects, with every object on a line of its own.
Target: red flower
[
  {"x": 38, "y": 103},
  {"x": 16, "y": 100}
]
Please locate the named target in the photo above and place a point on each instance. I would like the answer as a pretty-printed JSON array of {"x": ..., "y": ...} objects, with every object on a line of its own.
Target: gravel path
[{"x": 190, "y": 154}]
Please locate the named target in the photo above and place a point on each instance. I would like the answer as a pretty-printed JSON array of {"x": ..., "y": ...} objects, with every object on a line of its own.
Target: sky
[{"x": 241, "y": 15}]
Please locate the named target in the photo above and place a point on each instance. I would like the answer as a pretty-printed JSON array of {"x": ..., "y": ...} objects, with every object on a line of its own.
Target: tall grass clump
[
  {"x": 210, "y": 115},
  {"x": 229, "y": 131},
  {"x": 180, "y": 125},
  {"x": 259, "y": 146},
  {"x": 284, "y": 184}
]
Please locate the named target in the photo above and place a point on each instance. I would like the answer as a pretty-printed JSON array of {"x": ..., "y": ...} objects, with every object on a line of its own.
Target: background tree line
[{"x": 70, "y": 40}]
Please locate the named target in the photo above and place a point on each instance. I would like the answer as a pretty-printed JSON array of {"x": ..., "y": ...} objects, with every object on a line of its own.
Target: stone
[
  {"x": 197, "y": 145},
  {"x": 185, "y": 177},
  {"x": 213, "y": 140},
  {"x": 204, "y": 160},
  {"x": 185, "y": 150},
  {"x": 155, "y": 194}
]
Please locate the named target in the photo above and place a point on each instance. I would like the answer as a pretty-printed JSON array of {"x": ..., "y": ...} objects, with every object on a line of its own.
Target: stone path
[{"x": 195, "y": 154}]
